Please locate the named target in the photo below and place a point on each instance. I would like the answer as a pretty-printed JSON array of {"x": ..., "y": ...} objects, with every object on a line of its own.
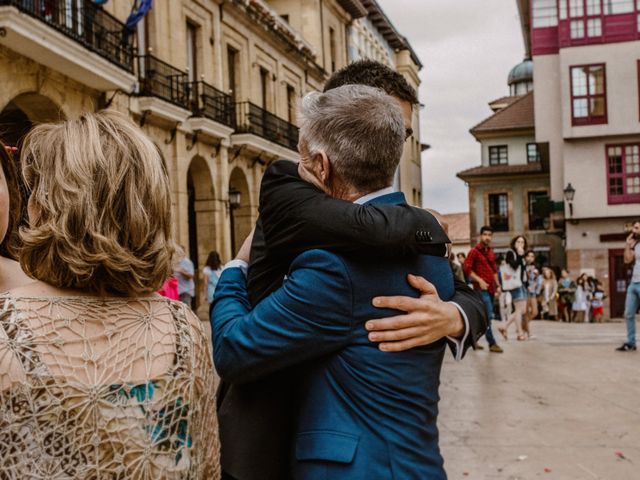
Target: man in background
[{"x": 480, "y": 267}]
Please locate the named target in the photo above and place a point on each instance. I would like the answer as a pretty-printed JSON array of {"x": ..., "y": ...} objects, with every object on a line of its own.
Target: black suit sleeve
[{"x": 471, "y": 303}]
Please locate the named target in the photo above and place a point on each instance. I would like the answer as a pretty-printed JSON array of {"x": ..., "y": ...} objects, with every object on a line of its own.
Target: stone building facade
[{"x": 215, "y": 84}]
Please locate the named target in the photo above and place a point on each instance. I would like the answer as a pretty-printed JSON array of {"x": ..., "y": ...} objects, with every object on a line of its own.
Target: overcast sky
[{"x": 467, "y": 48}]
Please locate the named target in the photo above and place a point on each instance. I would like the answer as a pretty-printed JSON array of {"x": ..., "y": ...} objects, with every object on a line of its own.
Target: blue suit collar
[{"x": 392, "y": 198}]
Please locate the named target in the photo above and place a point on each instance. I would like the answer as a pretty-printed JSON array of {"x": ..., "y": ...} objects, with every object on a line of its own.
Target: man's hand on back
[{"x": 428, "y": 319}]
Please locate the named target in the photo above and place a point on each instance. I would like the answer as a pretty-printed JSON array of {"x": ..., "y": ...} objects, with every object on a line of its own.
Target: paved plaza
[{"x": 563, "y": 405}]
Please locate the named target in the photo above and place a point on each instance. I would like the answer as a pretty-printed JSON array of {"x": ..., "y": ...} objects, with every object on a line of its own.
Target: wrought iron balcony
[
  {"x": 255, "y": 120},
  {"x": 159, "y": 79},
  {"x": 87, "y": 24},
  {"x": 207, "y": 101}
]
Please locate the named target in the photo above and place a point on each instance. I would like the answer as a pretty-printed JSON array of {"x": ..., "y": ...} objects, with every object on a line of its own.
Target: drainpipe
[{"x": 324, "y": 59}]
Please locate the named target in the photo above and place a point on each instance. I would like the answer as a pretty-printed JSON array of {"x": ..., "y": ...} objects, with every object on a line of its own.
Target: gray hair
[{"x": 361, "y": 130}]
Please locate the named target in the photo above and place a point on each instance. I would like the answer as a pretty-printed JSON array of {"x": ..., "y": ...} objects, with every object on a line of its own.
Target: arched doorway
[
  {"x": 201, "y": 218},
  {"x": 240, "y": 216},
  {"x": 22, "y": 112}
]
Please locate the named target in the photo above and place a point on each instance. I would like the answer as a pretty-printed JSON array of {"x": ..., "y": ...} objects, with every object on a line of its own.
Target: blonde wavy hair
[{"x": 100, "y": 207}]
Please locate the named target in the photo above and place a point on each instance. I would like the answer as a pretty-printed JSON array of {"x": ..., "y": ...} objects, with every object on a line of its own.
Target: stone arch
[
  {"x": 201, "y": 218},
  {"x": 23, "y": 112},
  {"x": 241, "y": 218}
]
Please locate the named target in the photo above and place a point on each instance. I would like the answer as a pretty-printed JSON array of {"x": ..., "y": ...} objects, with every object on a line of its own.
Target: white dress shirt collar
[{"x": 370, "y": 196}]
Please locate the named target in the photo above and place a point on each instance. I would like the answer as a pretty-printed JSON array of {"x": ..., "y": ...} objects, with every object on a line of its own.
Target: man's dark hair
[
  {"x": 486, "y": 228},
  {"x": 529, "y": 251},
  {"x": 373, "y": 74}
]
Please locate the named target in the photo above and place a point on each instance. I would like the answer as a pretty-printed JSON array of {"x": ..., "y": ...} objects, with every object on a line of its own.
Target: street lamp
[
  {"x": 233, "y": 202},
  {"x": 569, "y": 193}
]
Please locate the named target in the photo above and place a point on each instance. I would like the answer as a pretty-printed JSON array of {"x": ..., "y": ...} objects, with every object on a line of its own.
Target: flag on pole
[{"x": 139, "y": 10}]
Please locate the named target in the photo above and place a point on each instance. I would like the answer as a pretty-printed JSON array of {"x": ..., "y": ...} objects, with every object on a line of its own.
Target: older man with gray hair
[{"x": 361, "y": 413}]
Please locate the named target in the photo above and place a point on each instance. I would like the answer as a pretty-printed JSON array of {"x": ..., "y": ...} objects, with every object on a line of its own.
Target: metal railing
[
  {"x": 256, "y": 120},
  {"x": 86, "y": 23},
  {"x": 207, "y": 101},
  {"x": 159, "y": 79}
]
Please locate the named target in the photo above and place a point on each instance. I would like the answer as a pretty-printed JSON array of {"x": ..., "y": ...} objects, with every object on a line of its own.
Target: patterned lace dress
[{"x": 96, "y": 388}]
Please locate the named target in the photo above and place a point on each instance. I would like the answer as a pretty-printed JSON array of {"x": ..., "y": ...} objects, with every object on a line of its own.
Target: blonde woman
[
  {"x": 99, "y": 376},
  {"x": 549, "y": 293}
]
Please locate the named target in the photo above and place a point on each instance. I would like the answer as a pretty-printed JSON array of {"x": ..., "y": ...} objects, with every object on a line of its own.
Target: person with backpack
[{"x": 513, "y": 274}]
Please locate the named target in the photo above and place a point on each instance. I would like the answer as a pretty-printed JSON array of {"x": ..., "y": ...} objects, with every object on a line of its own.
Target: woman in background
[
  {"x": 103, "y": 377},
  {"x": 549, "y": 294},
  {"x": 514, "y": 281},
  {"x": 567, "y": 292},
  {"x": 211, "y": 272},
  {"x": 581, "y": 300}
]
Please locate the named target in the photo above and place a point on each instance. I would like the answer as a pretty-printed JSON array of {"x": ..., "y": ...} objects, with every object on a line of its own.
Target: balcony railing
[
  {"x": 208, "y": 101},
  {"x": 159, "y": 79},
  {"x": 255, "y": 120},
  {"x": 86, "y": 23}
]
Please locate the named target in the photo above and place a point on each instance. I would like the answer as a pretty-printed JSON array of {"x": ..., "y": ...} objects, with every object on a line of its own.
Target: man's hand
[
  {"x": 428, "y": 319},
  {"x": 631, "y": 240},
  {"x": 483, "y": 285}
]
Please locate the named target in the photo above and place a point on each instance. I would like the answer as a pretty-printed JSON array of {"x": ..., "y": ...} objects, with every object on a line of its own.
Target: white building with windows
[{"x": 586, "y": 56}]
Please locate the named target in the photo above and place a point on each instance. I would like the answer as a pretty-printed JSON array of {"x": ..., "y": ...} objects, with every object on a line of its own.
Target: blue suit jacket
[{"x": 362, "y": 413}]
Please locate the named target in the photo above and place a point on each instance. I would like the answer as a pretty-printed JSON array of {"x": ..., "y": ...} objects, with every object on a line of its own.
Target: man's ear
[{"x": 325, "y": 167}]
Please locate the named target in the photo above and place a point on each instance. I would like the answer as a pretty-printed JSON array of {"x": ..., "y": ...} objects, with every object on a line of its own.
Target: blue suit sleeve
[{"x": 308, "y": 317}]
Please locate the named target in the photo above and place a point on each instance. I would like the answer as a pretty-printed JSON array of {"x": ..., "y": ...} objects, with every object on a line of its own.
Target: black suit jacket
[{"x": 256, "y": 419}]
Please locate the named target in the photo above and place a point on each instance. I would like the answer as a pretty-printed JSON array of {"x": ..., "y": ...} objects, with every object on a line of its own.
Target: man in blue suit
[{"x": 361, "y": 413}]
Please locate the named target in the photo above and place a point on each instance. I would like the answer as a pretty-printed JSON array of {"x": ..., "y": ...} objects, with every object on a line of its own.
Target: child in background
[{"x": 597, "y": 302}]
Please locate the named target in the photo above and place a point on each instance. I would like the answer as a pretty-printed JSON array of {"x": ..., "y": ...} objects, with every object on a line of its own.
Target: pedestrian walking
[
  {"x": 211, "y": 273},
  {"x": 534, "y": 287},
  {"x": 632, "y": 301},
  {"x": 184, "y": 272},
  {"x": 549, "y": 294},
  {"x": 514, "y": 280},
  {"x": 567, "y": 291},
  {"x": 480, "y": 267},
  {"x": 597, "y": 302},
  {"x": 580, "y": 302}
]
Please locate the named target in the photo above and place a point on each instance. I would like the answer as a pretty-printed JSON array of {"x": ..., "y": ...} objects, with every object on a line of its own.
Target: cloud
[{"x": 467, "y": 48}]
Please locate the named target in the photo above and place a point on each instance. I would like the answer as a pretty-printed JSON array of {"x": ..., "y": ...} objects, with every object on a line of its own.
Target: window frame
[
  {"x": 507, "y": 216},
  {"x": 499, "y": 147},
  {"x": 537, "y": 158},
  {"x": 545, "y": 193},
  {"x": 589, "y": 120},
  {"x": 616, "y": 199}
]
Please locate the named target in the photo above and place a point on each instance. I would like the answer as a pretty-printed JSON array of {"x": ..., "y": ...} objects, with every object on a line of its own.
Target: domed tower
[{"x": 521, "y": 78}]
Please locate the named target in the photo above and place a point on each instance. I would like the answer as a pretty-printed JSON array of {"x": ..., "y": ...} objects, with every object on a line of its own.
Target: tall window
[
  {"x": 588, "y": 95},
  {"x": 332, "y": 48},
  {"x": 586, "y": 18},
  {"x": 192, "y": 51},
  {"x": 536, "y": 217},
  {"x": 498, "y": 155},
  {"x": 264, "y": 88},
  {"x": 499, "y": 212},
  {"x": 232, "y": 68},
  {"x": 292, "y": 104},
  {"x": 623, "y": 173},
  {"x": 533, "y": 154}
]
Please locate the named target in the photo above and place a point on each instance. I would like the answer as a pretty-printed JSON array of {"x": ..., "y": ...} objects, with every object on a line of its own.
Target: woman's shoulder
[{"x": 12, "y": 275}]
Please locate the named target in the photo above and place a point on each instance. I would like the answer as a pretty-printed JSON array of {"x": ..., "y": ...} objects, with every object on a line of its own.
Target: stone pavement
[{"x": 564, "y": 401}]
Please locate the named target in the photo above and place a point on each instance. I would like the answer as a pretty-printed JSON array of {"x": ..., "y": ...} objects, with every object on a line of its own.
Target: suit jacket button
[{"x": 429, "y": 236}]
